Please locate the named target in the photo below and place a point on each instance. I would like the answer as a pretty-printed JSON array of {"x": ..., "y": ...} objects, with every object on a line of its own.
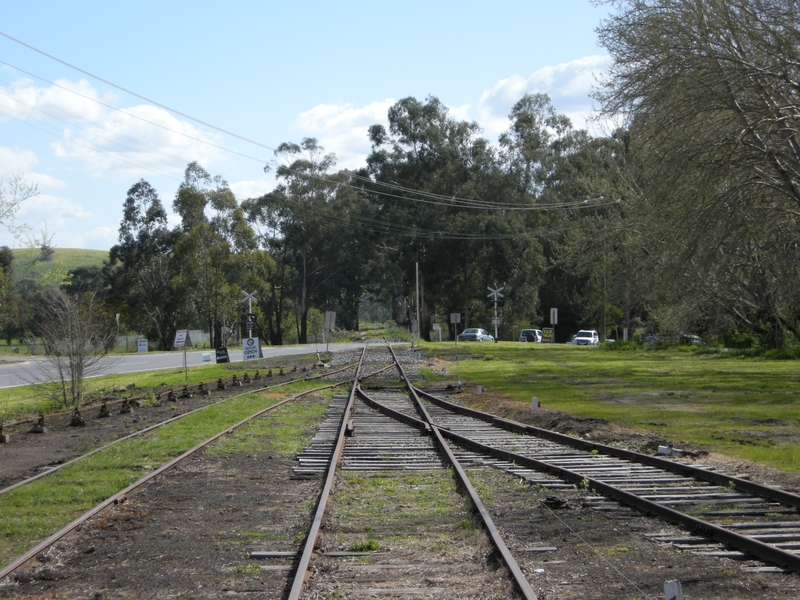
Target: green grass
[
  {"x": 34, "y": 511},
  {"x": 64, "y": 259},
  {"x": 744, "y": 407},
  {"x": 282, "y": 434},
  {"x": 390, "y": 331}
]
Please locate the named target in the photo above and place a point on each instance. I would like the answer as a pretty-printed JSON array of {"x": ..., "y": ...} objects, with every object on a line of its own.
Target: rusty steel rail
[
  {"x": 519, "y": 577},
  {"x": 313, "y": 534},
  {"x": 146, "y": 430},
  {"x": 755, "y": 547},
  {"x": 115, "y": 498}
]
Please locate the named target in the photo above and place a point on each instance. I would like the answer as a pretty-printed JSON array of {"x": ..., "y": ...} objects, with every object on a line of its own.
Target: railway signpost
[
  {"x": 496, "y": 297},
  {"x": 250, "y": 321}
]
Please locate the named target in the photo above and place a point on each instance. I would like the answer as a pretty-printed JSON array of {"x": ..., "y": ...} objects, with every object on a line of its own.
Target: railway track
[
  {"x": 413, "y": 442},
  {"x": 729, "y": 517}
]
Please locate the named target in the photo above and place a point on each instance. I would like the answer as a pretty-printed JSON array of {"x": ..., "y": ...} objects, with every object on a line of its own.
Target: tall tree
[
  {"x": 449, "y": 205},
  {"x": 710, "y": 89},
  {"x": 76, "y": 332},
  {"x": 213, "y": 237},
  {"x": 146, "y": 281},
  {"x": 301, "y": 224}
]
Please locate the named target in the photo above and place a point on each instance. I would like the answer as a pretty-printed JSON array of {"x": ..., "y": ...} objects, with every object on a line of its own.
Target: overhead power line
[{"x": 398, "y": 190}]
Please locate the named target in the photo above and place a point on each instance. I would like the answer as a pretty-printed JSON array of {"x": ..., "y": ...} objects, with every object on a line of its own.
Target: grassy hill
[{"x": 64, "y": 259}]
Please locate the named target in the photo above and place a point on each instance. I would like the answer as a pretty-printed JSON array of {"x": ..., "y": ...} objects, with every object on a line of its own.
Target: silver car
[{"x": 474, "y": 335}]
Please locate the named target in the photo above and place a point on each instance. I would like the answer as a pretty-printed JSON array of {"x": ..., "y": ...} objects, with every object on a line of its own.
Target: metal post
[{"x": 418, "y": 324}]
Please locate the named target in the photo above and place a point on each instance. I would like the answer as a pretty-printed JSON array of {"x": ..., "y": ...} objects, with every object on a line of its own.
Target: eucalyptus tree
[
  {"x": 445, "y": 202},
  {"x": 214, "y": 239},
  {"x": 145, "y": 277},
  {"x": 303, "y": 223},
  {"x": 710, "y": 89}
]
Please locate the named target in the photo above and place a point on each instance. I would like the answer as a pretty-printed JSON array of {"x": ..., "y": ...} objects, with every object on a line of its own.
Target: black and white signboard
[
  {"x": 250, "y": 349},
  {"x": 222, "y": 355}
]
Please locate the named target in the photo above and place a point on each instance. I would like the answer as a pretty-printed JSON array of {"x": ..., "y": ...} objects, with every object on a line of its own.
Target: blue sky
[{"x": 268, "y": 71}]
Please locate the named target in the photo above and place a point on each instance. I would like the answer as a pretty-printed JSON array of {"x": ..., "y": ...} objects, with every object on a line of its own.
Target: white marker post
[
  {"x": 455, "y": 319},
  {"x": 330, "y": 325}
]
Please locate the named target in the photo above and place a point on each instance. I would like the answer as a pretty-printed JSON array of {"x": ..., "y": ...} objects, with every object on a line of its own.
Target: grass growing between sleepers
[
  {"x": 744, "y": 407},
  {"x": 379, "y": 509}
]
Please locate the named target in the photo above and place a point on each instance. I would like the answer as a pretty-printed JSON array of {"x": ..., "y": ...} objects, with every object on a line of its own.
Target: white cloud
[
  {"x": 62, "y": 218},
  {"x": 98, "y": 237},
  {"x": 64, "y": 101},
  {"x": 141, "y": 140},
  {"x": 342, "y": 129},
  {"x": 53, "y": 207},
  {"x": 252, "y": 189},
  {"x": 130, "y": 142},
  {"x": 16, "y": 160},
  {"x": 568, "y": 85}
]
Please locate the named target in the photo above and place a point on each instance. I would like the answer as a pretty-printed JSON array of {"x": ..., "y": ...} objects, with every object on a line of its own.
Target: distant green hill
[{"x": 65, "y": 259}]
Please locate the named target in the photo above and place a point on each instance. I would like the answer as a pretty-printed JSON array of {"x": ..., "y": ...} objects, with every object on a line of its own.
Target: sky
[{"x": 96, "y": 95}]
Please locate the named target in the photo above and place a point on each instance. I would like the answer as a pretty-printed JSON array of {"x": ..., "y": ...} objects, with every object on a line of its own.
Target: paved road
[{"x": 25, "y": 372}]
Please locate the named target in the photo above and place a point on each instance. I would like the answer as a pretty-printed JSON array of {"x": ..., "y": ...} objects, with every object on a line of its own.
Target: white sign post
[
  {"x": 141, "y": 345},
  {"x": 180, "y": 342},
  {"x": 250, "y": 349},
  {"x": 553, "y": 322},
  {"x": 249, "y": 299}
]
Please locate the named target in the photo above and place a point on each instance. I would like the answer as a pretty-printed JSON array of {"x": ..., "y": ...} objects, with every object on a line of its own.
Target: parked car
[
  {"x": 474, "y": 334},
  {"x": 531, "y": 335},
  {"x": 586, "y": 337}
]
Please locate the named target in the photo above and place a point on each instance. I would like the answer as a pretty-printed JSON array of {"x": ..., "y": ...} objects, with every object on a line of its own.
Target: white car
[
  {"x": 586, "y": 337},
  {"x": 531, "y": 335}
]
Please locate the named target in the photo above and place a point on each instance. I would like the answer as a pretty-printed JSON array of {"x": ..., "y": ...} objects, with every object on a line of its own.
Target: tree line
[{"x": 683, "y": 219}]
